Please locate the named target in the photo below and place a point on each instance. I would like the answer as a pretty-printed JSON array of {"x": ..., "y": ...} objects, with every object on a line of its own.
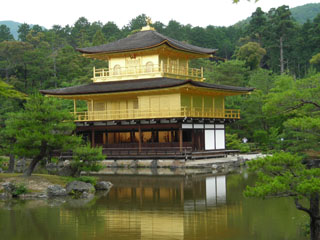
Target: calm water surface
[{"x": 182, "y": 206}]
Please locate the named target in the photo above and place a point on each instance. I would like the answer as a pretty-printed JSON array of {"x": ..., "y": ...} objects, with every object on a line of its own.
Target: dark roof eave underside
[{"x": 140, "y": 85}]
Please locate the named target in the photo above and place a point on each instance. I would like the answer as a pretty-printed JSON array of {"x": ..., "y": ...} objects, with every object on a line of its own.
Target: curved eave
[
  {"x": 105, "y": 53},
  {"x": 185, "y": 87}
]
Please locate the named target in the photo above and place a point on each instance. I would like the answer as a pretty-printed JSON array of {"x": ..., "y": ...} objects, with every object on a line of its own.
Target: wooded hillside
[{"x": 269, "y": 53}]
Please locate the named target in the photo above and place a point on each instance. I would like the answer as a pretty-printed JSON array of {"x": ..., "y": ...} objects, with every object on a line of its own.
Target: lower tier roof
[{"x": 138, "y": 85}]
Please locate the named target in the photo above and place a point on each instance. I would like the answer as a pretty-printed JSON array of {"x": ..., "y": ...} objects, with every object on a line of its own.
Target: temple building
[{"x": 149, "y": 102}]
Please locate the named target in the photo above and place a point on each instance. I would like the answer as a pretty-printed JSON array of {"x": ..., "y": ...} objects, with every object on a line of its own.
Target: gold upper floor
[
  {"x": 156, "y": 106},
  {"x": 147, "y": 66}
]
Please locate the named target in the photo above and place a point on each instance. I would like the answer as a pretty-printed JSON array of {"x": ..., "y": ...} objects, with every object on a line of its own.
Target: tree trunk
[
  {"x": 314, "y": 223},
  {"x": 11, "y": 164},
  {"x": 31, "y": 167},
  {"x": 281, "y": 56},
  {"x": 35, "y": 160}
]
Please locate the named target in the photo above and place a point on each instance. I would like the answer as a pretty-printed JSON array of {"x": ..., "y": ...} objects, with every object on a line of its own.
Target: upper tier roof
[
  {"x": 144, "y": 40},
  {"x": 138, "y": 85}
]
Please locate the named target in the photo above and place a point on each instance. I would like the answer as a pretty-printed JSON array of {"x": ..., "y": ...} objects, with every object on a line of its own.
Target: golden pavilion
[{"x": 149, "y": 103}]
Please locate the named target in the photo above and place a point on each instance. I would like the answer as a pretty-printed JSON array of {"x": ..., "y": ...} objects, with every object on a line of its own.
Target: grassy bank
[{"x": 35, "y": 183}]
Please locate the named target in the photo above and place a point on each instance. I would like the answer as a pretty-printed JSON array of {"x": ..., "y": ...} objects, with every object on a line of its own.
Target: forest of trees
[{"x": 271, "y": 53}]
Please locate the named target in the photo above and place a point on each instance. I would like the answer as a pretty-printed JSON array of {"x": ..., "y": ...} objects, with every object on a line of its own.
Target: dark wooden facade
[{"x": 154, "y": 138}]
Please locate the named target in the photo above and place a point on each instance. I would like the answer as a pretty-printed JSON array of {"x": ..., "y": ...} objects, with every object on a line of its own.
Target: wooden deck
[{"x": 155, "y": 154}]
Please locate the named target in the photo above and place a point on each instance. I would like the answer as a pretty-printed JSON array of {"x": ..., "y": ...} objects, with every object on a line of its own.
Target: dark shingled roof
[
  {"x": 137, "y": 85},
  {"x": 143, "y": 40}
]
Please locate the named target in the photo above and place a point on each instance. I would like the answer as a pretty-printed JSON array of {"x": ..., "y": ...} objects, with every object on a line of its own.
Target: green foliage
[
  {"x": 297, "y": 101},
  {"x": 315, "y": 59},
  {"x": 87, "y": 179},
  {"x": 23, "y": 31},
  {"x": 85, "y": 158},
  {"x": 3, "y": 163},
  {"x": 42, "y": 127},
  {"x": 261, "y": 79},
  {"x": 282, "y": 175},
  {"x": 19, "y": 190},
  {"x": 306, "y": 12},
  {"x": 48, "y": 59},
  {"x": 233, "y": 73},
  {"x": 8, "y": 91},
  {"x": 5, "y": 34},
  {"x": 252, "y": 54},
  {"x": 234, "y": 143},
  {"x": 98, "y": 38}
]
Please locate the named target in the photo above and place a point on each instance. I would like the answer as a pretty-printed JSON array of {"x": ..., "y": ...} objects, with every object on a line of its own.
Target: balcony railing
[
  {"x": 147, "y": 71},
  {"x": 132, "y": 114}
]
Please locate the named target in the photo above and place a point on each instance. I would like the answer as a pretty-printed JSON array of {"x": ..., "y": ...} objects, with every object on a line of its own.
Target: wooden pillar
[
  {"x": 104, "y": 137},
  {"x": 193, "y": 139},
  {"x": 180, "y": 139},
  {"x": 92, "y": 138},
  {"x": 131, "y": 136},
  {"x": 187, "y": 73},
  {"x": 178, "y": 67},
  {"x": 74, "y": 106},
  {"x": 92, "y": 117},
  {"x": 140, "y": 140}
]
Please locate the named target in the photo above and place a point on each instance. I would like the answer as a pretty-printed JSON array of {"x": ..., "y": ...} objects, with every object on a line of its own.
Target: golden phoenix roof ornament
[
  {"x": 148, "y": 27},
  {"x": 148, "y": 20}
]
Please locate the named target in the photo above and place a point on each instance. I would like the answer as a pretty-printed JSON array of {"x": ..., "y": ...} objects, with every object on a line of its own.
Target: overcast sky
[{"x": 195, "y": 12}]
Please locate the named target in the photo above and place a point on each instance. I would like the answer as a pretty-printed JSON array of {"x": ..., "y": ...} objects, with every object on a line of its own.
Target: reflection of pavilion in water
[
  {"x": 166, "y": 207},
  {"x": 190, "y": 192}
]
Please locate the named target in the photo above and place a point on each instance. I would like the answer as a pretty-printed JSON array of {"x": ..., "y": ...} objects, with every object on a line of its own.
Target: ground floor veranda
[{"x": 156, "y": 138}]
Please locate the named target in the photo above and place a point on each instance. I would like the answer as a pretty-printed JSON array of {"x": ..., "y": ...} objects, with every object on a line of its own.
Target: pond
[{"x": 145, "y": 206}]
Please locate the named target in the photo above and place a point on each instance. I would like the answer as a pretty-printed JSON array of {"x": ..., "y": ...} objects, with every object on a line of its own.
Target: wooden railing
[
  {"x": 131, "y": 114},
  {"x": 145, "y": 71}
]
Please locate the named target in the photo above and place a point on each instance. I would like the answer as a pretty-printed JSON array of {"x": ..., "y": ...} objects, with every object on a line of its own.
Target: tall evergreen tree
[
  {"x": 23, "y": 31},
  {"x": 5, "y": 34},
  {"x": 42, "y": 127}
]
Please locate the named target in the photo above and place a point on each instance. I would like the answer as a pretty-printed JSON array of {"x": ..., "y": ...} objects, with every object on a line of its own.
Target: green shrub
[
  {"x": 86, "y": 158},
  {"x": 54, "y": 160},
  {"x": 234, "y": 143},
  {"x": 19, "y": 189},
  {"x": 87, "y": 179},
  {"x": 4, "y": 163},
  {"x": 244, "y": 148}
]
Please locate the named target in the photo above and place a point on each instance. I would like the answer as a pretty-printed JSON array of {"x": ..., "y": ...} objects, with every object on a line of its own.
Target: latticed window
[
  {"x": 149, "y": 67},
  {"x": 117, "y": 70}
]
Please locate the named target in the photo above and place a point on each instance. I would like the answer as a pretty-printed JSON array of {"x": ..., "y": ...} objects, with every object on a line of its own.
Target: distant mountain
[
  {"x": 301, "y": 14},
  {"x": 308, "y": 11},
  {"x": 14, "y": 26}
]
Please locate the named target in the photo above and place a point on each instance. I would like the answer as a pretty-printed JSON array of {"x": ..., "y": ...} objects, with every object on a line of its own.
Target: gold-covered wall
[
  {"x": 158, "y": 104},
  {"x": 144, "y": 106},
  {"x": 199, "y": 102}
]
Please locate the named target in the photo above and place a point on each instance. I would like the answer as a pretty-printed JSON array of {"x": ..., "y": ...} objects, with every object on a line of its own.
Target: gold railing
[
  {"x": 145, "y": 71},
  {"x": 132, "y": 114}
]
